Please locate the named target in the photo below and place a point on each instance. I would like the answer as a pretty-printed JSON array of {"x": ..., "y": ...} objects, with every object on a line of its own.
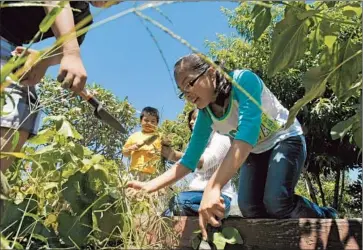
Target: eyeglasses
[{"x": 191, "y": 84}]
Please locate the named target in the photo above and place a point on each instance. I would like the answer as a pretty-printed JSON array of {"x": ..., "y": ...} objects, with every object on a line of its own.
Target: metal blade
[{"x": 107, "y": 118}]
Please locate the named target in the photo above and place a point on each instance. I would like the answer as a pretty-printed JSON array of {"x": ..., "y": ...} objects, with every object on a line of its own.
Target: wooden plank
[{"x": 283, "y": 234}]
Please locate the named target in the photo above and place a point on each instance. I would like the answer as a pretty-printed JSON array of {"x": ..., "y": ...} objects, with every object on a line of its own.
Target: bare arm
[
  {"x": 63, "y": 25},
  {"x": 174, "y": 156},
  {"x": 168, "y": 178}
]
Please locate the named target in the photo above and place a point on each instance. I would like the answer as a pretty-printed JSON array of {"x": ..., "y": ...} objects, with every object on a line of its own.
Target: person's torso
[
  {"x": 19, "y": 25},
  {"x": 201, "y": 176},
  {"x": 145, "y": 158},
  {"x": 273, "y": 119}
]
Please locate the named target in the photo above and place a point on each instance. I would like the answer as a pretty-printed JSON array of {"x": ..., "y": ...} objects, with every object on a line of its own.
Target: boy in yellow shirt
[{"x": 143, "y": 146}]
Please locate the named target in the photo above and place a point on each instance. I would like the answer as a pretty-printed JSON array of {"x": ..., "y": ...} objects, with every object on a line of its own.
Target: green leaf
[
  {"x": 73, "y": 229},
  {"x": 97, "y": 177},
  {"x": 14, "y": 154},
  {"x": 289, "y": 41},
  {"x": 68, "y": 130},
  {"x": 352, "y": 10},
  {"x": 77, "y": 149},
  {"x": 232, "y": 235},
  {"x": 329, "y": 41},
  {"x": 328, "y": 28},
  {"x": 54, "y": 118},
  {"x": 9, "y": 67},
  {"x": 262, "y": 21},
  {"x": 50, "y": 185},
  {"x": 342, "y": 128},
  {"x": 257, "y": 9},
  {"x": 12, "y": 214},
  {"x": 204, "y": 245},
  {"x": 18, "y": 246},
  {"x": 108, "y": 220},
  {"x": 219, "y": 240},
  {"x": 306, "y": 14},
  {"x": 49, "y": 19},
  {"x": 43, "y": 137},
  {"x": 330, "y": 4},
  {"x": 346, "y": 61},
  {"x": 4, "y": 243},
  {"x": 45, "y": 150},
  {"x": 352, "y": 91},
  {"x": 315, "y": 82},
  {"x": 357, "y": 134},
  {"x": 72, "y": 191},
  {"x": 196, "y": 241},
  {"x": 87, "y": 151},
  {"x": 39, "y": 237},
  {"x": 357, "y": 126},
  {"x": 313, "y": 78},
  {"x": 68, "y": 170},
  {"x": 14, "y": 141},
  {"x": 315, "y": 40},
  {"x": 97, "y": 158}
]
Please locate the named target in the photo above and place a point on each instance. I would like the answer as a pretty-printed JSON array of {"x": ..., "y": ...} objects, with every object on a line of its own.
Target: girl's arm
[
  {"x": 168, "y": 178},
  {"x": 247, "y": 132}
]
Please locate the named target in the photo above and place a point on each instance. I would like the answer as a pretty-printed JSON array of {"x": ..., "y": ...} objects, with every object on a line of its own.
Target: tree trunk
[
  {"x": 322, "y": 195},
  {"x": 336, "y": 190},
  {"x": 342, "y": 190},
  {"x": 310, "y": 187}
]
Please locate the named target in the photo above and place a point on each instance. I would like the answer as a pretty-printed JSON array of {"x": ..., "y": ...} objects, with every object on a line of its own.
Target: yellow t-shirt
[{"x": 145, "y": 154}]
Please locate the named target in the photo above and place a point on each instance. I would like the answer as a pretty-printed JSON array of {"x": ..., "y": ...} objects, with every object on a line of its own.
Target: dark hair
[
  {"x": 190, "y": 115},
  {"x": 195, "y": 62},
  {"x": 151, "y": 111}
]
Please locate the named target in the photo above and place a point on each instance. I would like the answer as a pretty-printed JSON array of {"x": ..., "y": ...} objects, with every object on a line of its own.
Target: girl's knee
[
  {"x": 278, "y": 207},
  {"x": 247, "y": 209}
]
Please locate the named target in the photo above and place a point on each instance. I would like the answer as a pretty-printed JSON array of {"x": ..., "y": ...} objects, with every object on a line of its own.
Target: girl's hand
[
  {"x": 139, "y": 185},
  {"x": 211, "y": 206}
]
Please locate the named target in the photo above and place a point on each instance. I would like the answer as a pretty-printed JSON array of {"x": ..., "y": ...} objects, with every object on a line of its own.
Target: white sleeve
[{"x": 216, "y": 151}]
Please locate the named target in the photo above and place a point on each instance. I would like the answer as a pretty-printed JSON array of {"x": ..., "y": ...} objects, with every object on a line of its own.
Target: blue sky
[{"x": 122, "y": 57}]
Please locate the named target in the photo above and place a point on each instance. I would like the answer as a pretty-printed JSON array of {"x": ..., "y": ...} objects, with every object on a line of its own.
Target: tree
[
  {"x": 97, "y": 136},
  {"x": 355, "y": 191},
  {"x": 257, "y": 48}
]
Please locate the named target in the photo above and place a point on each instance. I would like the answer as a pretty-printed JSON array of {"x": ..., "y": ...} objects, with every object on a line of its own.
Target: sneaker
[{"x": 330, "y": 213}]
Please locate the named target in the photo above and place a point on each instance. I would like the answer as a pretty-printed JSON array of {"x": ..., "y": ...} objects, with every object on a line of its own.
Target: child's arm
[
  {"x": 129, "y": 146},
  {"x": 188, "y": 162}
]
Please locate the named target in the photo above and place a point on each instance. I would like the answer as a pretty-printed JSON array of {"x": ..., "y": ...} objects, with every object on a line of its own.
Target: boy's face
[{"x": 149, "y": 123}]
